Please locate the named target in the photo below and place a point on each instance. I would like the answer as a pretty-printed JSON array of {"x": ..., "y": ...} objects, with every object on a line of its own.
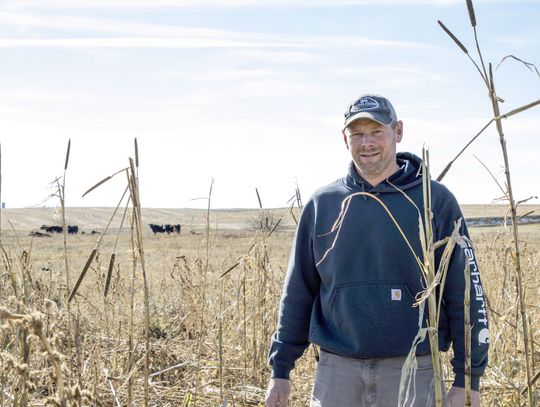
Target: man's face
[{"x": 373, "y": 148}]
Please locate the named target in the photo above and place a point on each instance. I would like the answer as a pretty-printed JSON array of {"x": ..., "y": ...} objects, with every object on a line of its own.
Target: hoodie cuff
[
  {"x": 280, "y": 372},
  {"x": 459, "y": 381}
]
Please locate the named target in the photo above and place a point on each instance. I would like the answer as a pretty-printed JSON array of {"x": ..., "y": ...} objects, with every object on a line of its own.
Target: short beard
[{"x": 371, "y": 170}]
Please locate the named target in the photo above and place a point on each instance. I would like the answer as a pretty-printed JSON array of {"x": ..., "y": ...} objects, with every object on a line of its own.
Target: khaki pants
[{"x": 347, "y": 382}]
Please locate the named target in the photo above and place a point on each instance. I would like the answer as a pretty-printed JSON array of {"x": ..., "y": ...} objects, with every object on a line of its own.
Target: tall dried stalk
[
  {"x": 515, "y": 234},
  {"x": 429, "y": 273},
  {"x": 220, "y": 341},
  {"x": 130, "y": 364},
  {"x": 244, "y": 328},
  {"x": 135, "y": 198},
  {"x": 495, "y": 99},
  {"x": 62, "y": 197},
  {"x": 62, "y": 194},
  {"x": 203, "y": 294},
  {"x": 262, "y": 263},
  {"x": 21, "y": 391}
]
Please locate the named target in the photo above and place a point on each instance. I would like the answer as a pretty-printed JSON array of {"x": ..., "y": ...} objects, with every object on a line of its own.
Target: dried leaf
[{"x": 83, "y": 273}]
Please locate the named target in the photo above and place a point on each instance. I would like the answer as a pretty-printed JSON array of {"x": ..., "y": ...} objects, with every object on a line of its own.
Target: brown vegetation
[{"x": 195, "y": 358}]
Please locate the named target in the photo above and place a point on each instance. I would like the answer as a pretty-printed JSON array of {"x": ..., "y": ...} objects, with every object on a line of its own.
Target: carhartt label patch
[
  {"x": 483, "y": 336},
  {"x": 396, "y": 294}
]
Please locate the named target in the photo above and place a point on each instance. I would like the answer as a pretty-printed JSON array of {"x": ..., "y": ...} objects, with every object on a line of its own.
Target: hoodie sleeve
[
  {"x": 301, "y": 286},
  {"x": 453, "y": 297}
]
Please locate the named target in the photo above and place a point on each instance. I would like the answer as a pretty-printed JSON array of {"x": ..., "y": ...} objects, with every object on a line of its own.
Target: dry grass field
[{"x": 213, "y": 296}]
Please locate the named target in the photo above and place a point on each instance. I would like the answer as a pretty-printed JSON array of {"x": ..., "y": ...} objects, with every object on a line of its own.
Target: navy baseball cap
[{"x": 374, "y": 107}]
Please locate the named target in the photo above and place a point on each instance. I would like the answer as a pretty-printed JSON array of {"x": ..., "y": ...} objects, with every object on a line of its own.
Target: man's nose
[{"x": 366, "y": 139}]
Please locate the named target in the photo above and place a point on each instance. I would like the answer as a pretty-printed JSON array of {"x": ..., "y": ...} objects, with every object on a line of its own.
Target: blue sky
[{"x": 251, "y": 93}]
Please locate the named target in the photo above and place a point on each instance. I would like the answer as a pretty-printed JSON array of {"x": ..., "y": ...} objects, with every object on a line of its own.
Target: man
[{"x": 355, "y": 301}]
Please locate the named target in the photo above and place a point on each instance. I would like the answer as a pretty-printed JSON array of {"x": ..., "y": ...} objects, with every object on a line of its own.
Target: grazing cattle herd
[
  {"x": 167, "y": 228},
  {"x": 51, "y": 229},
  {"x": 74, "y": 229},
  {"x": 47, "y": 231}
]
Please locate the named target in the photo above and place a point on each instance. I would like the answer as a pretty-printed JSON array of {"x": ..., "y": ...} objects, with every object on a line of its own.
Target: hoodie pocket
[{"x": 374, "y": 319}]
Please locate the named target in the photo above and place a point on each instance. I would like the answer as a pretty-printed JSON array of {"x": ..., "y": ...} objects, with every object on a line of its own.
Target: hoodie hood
[{"x": 408, "y": 176}]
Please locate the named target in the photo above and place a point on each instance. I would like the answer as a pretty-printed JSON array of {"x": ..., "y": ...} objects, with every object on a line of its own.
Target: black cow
[
  {"x": 173, "y": 228},
  {"x": 39, "y": 234},
  {"x": 156, "y": 228},
  {"x": 73, "y": 230},
  {"x": 51, "y": 229}
]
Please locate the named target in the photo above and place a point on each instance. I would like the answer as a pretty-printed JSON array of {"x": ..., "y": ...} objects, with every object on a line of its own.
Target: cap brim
[{"x": 381, "y": 119}]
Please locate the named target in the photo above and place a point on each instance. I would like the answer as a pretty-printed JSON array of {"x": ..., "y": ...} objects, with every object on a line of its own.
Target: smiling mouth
[{"x": 368, "y": 155}]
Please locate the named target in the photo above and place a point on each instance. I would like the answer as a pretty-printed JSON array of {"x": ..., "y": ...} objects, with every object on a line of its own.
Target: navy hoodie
[{"x": 358, "y": 302}]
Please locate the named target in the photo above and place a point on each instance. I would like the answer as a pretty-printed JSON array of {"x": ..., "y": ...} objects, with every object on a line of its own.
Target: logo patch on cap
[
  {"x": 365, "y": 103},
  {"x": 374, "y": 107},
  {"x": 395, "y": 294}
]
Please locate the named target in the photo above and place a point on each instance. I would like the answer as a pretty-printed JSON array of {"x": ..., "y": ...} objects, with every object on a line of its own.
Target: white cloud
[
  {"x": 133, "y": 42},
  {"x": 285, "y": 57},
  {"x": 403, "y": 75},
  {"x": 142, "y": 35},
  {"x": 157, "y": 4},
  {"x": 516, "y": 42},
  {"x": 107, "y": 25},
  {"x": 140, "y": 42},
  {"x": 105, "y": 32}
]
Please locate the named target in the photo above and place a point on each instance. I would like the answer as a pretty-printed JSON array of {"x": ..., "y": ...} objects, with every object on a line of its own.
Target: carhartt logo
[
  {"x": 366, "y": 104},
  {"x": 396, "y": 294},
  {"x": 483, "y": 336}
]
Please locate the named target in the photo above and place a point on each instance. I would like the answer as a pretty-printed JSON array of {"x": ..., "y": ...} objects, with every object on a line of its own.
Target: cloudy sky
[{"x": 252, "y": 93}]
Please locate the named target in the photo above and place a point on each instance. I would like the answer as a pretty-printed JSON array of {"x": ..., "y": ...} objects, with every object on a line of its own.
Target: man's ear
[
  {"x": 345, "y": 139},
  {"x": 399, "y": 131}
]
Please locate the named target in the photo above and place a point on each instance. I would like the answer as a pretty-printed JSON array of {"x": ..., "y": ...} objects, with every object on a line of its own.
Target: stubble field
[{"x": 213, "y": 297}]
